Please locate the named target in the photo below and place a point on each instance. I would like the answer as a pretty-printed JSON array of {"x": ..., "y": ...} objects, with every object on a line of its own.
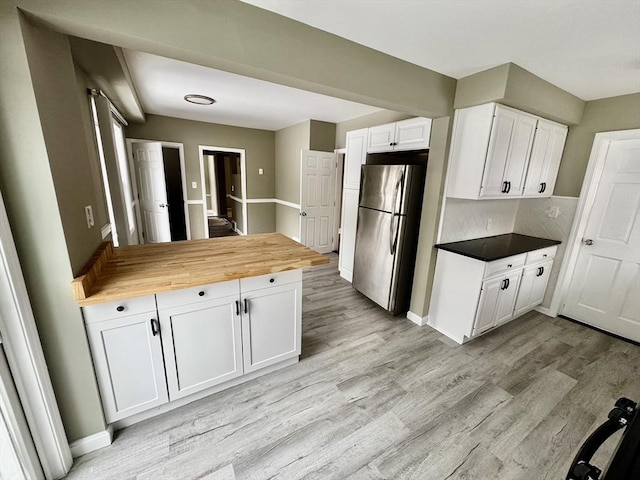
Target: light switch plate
[
  {"x": 88, "y": 212},
  {"x": 260, "y": 171},
  {"x": 194, "y": 184}
]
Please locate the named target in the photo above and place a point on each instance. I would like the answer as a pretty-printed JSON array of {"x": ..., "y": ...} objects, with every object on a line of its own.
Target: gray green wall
[
  {"x": 259, "y": 146},
  {"x": 604, "y": 115},
  {"x": 43, "y": 141},
  {"x": 512, "y": 85},
  {"x": 308, "y": 135},
  {"x": 257, "y": 43}
]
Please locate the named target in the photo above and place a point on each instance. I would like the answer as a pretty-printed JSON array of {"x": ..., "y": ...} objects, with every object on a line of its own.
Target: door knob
[
  {"x": 304, "y": 214},
  {"x": 587, "y": 241},
  {"x": 162, "y": 205}
]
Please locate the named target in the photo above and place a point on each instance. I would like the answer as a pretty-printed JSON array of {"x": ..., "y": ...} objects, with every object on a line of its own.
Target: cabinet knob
[
  {"x": 120, "y": 308},
  {"x": 271, "y": 280},
  {"x": 509, "y": 265},
  {"x": 201, "y": 293}
]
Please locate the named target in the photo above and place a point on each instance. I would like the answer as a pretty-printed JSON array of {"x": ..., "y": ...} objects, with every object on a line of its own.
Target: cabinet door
[
  {"x": 502, "y": 132},
  {"x": 539, "y": 287},
  {"x": 202, "y": 345},
  {"x": 271, "y": 325},
  {"x": 546, "y": 153},
  {"x": 412, "y": 134},
  {"x": 348, "y": 233},
  {"x": 355, "y": 157},
  {"x": 523, "y": 300},
  {"x": 127, "y": 355},
  {"x": 486, "y": 313},
  {"x": 508, "y": 154},
  {"x": 381, "y": 138},
  {"x": 507, "y": 298}
]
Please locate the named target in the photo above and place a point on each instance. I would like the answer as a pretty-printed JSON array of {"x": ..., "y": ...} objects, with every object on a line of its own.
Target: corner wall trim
[
  {"x": 417, "y": 319},
  {"x": 92, "y": 442}
]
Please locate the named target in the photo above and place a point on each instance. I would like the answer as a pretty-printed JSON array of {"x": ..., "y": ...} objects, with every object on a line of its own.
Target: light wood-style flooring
[{"x": 377, "y": 397}]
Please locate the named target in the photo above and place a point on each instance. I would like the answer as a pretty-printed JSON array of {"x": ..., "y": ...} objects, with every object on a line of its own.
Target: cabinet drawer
[
  {"x": 265, "y": 281},
  {"x": 504, "y": 265},
  {"x": 542, "y": 254},
  {"x": 201, "y": 293},
  {"x": 119, "y": 308}
]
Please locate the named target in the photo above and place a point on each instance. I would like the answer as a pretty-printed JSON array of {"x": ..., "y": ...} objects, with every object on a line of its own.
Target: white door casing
[
  {"x": 317, "y": 192},
  {"x": 152, "y": 191},
  {"x": 604, "y": 285}
]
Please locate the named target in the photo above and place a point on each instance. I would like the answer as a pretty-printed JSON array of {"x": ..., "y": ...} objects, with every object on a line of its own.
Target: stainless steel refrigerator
[{"x": 388, "y": 221}]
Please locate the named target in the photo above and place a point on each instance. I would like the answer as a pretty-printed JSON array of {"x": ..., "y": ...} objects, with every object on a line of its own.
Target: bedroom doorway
[
  {"x": 159, "y": 190},
  {"x": 223, "y": 179}
]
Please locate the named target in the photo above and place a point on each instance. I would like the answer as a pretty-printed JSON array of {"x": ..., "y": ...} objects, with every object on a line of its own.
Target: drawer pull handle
[
  {"x": 120, "y": 308},
  {"x": 201, "y": 293},
  {"x": 237, "y": 308},
  {"x": 544, "y": 255},
  {"x": 510, "y": 265},
  {"x": 271, "y": 280},
  {"x": 155, "y": 327},
  {"x": 246, "y": 306}
]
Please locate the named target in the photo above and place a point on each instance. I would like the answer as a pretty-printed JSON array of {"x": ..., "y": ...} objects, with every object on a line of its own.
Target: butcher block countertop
[{"x": 133, "y": 271}]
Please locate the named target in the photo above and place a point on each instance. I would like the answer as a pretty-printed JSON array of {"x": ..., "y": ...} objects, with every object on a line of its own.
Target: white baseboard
[
  {"x": 417, "y": 319},
  {"x": 92, "y": 442}
]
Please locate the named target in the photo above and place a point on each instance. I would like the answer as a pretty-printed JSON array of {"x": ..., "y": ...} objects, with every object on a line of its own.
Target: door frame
[
  {"x": 341, "y": 153},
  {"x": 595, "y": 168},
  {"x": 134, "y": 181},
  {"x": 243, "y": 180}
]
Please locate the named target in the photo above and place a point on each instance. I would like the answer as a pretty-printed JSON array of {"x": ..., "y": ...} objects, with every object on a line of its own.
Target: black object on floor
[{"x": 625, "y": 463}]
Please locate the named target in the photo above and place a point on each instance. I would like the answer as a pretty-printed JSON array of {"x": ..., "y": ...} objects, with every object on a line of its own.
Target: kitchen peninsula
[{"x": 169, "y": 323}]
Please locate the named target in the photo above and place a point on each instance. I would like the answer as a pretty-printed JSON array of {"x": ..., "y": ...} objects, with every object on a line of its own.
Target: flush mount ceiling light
[{"x": 199, "y": 99}]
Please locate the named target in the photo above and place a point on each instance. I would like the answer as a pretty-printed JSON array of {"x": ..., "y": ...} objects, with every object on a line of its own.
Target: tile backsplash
[
  {"x": 533, "y": 219},
  {"x": 466, "y": 219}
]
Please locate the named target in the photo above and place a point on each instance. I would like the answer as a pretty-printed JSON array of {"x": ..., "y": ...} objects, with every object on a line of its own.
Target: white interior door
[
  {"x": 603, "y": 291},
  {"x": 152, "y": 192},
  {"x": 317, "y": 194}
]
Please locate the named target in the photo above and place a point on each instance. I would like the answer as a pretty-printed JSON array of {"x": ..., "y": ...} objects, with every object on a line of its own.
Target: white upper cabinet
[
  {"x": 411, "y": 134},
  {"x": 501, "y": 152},
  {"x": 545, "y": 158},
  {"x": 355, "y": 157}
]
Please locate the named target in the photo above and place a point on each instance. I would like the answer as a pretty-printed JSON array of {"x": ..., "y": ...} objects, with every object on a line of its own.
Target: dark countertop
[{"x": 497, "y": 247}]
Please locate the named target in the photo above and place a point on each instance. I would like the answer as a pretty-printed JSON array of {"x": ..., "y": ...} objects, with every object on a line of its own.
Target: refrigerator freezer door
[
  {"x": 374, "y": 261},
  {"x": 381, "y": 187}
]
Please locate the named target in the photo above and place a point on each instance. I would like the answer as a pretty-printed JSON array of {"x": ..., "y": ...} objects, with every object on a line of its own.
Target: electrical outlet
[
  {"x": 260, "y": 171},
  {"x": 194, "y": 184},
  {"x": 489, "y": 224},
  {"x": 88, "y": 212}
]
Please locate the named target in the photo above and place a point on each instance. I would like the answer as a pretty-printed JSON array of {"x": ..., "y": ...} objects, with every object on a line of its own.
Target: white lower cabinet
[
  {"x": 271, "y": 325},
  {"x": 127, "y": 356},
  {"x": 532, "y": 287},
  {"x": 202, "y": 345},
  {"x": 197, "y": 338},
  {"x": 497, "y": 298},
  {"x": 471, "y": 297}
]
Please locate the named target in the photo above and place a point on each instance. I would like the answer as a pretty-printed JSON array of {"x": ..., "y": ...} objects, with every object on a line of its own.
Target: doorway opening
[
  {"x": 223, "y": 177},
  {"x": 159, "y": 190},
  {"x": 175, "y": 193}
]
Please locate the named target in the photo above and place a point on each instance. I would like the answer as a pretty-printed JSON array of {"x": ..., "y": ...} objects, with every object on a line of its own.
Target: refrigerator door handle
[{"x": 395, "y": 220}]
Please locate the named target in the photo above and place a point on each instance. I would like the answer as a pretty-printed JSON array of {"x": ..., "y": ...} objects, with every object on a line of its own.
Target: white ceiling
[
  {"x": 162, "y": 83},
  {"x": 590, "y": 48}
]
